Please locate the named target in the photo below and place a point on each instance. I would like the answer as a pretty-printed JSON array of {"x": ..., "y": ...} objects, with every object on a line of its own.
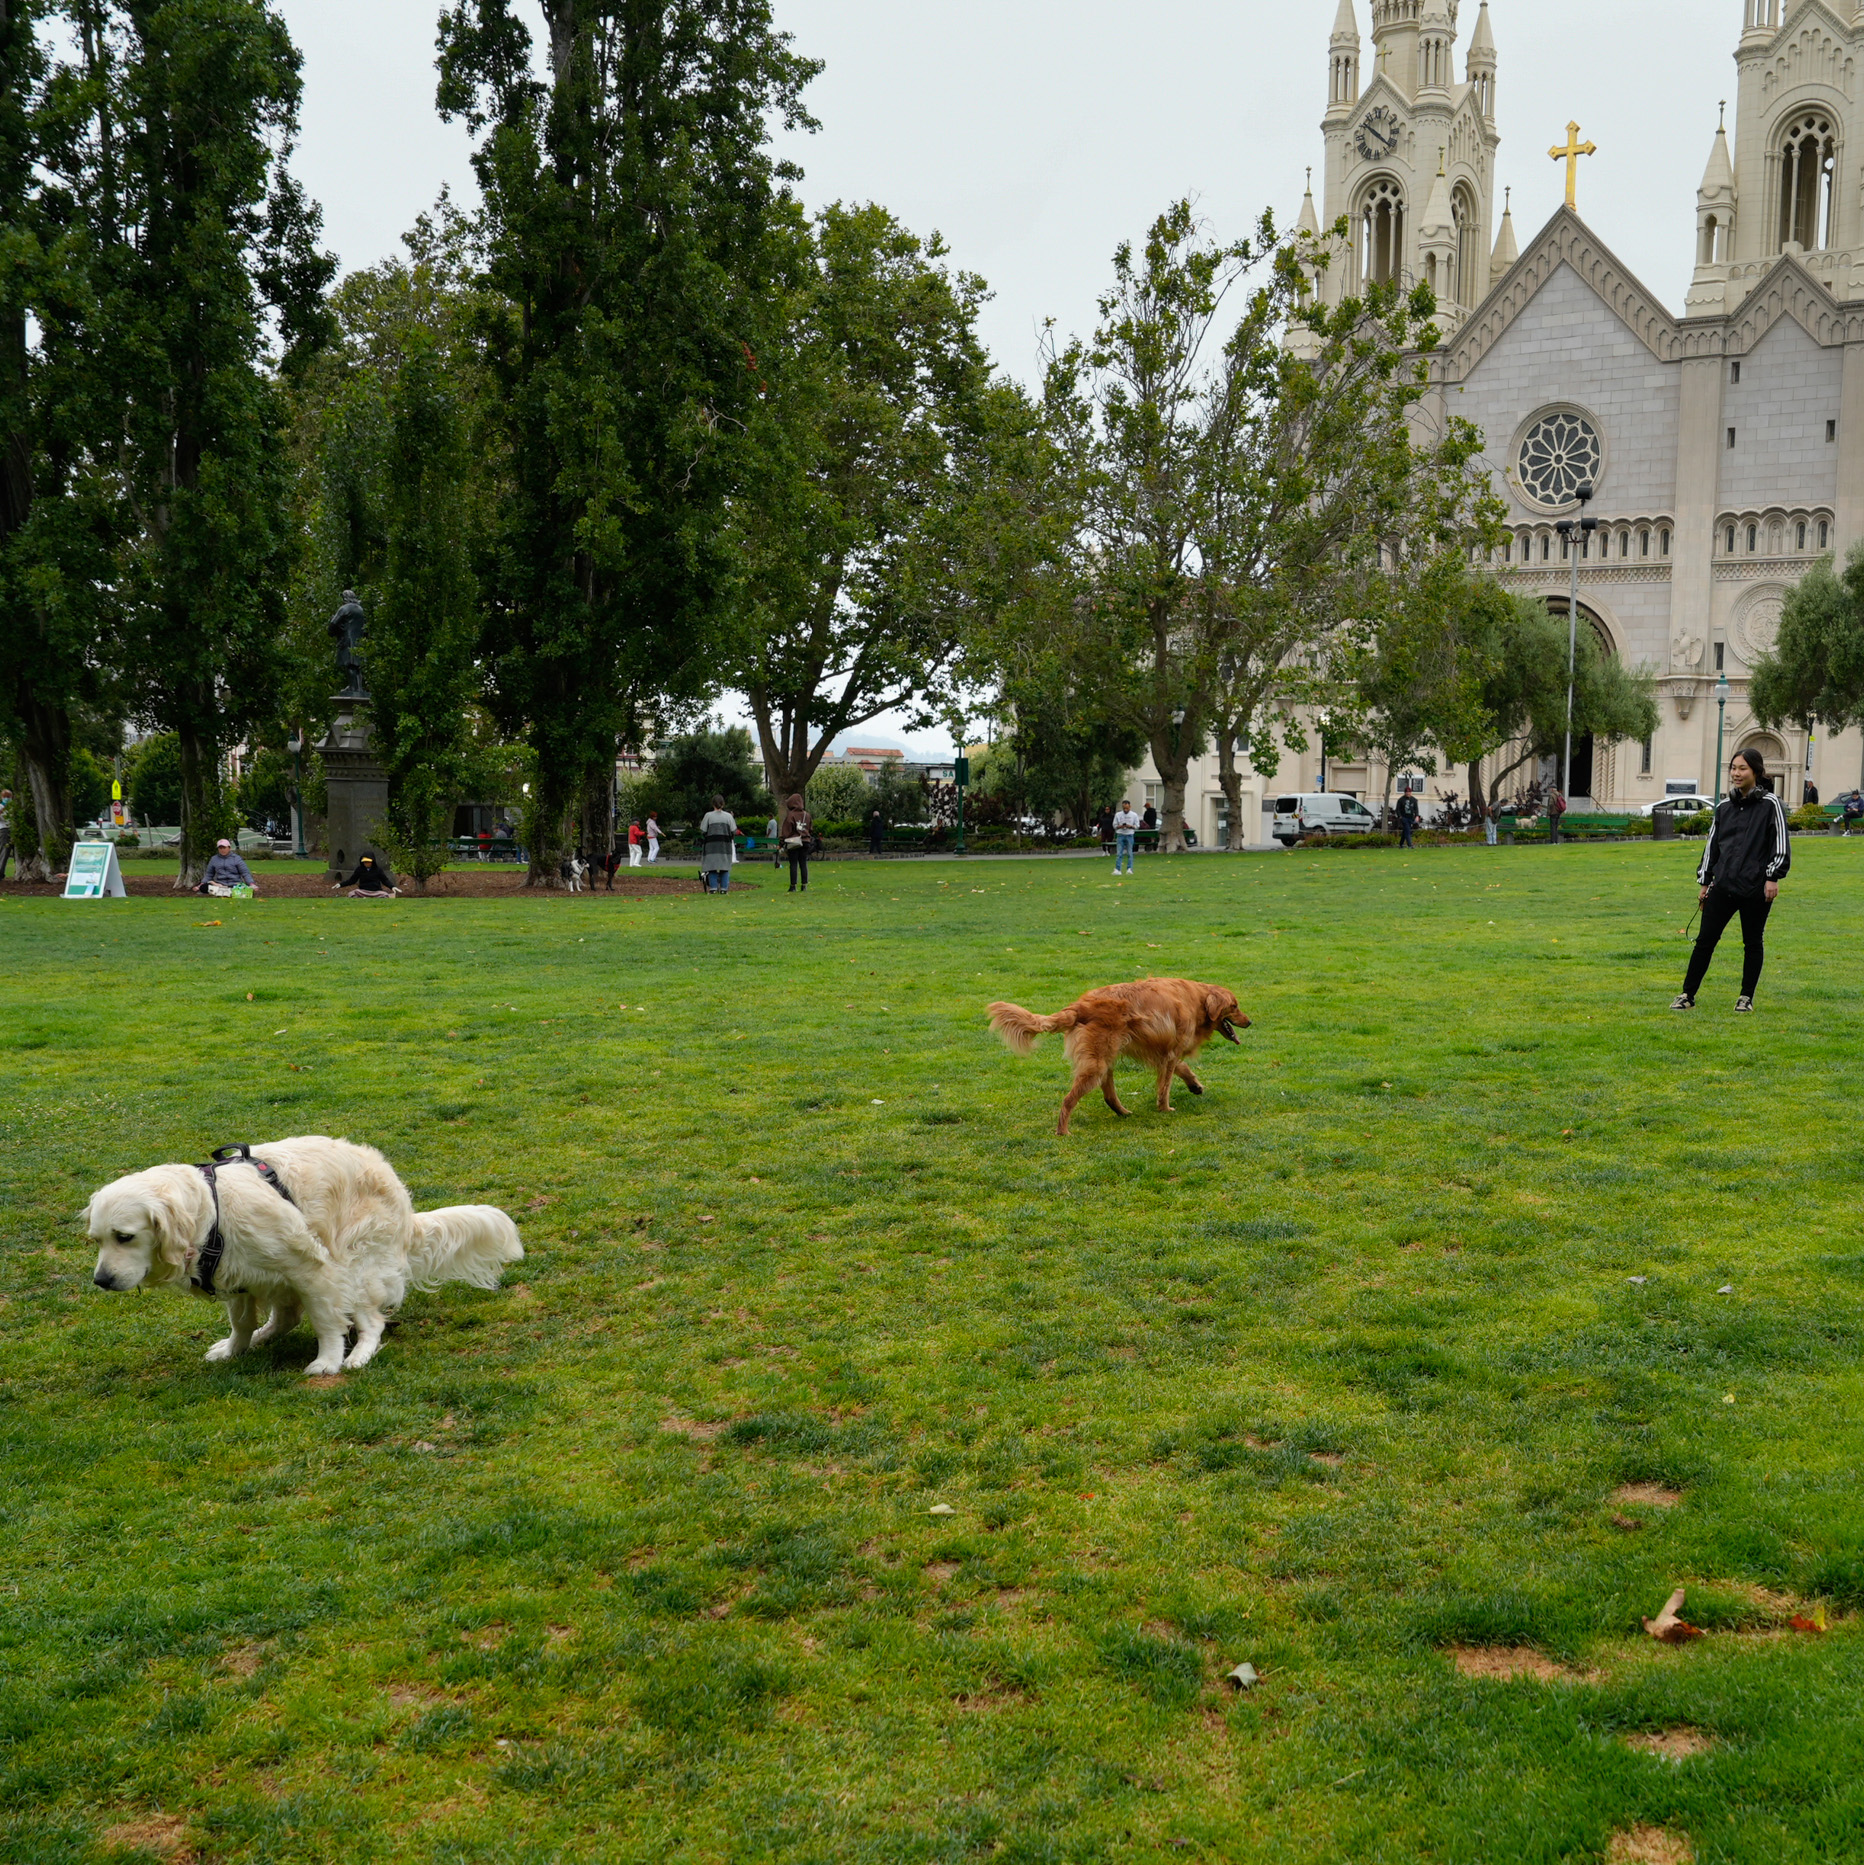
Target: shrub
[
  {"x": 1318, "y": 840},
  {"x": 1698, "y": 824},
  {"x": 1809, "y": 816}
]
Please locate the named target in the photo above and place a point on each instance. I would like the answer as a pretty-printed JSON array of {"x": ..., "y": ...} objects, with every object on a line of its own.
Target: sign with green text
[{"x": 94, "y": 873}]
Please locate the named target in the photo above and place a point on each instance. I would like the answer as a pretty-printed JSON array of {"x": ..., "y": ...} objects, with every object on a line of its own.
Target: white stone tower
[
  {"x": 1791, "y": 184},
  {"x": 1410, "y": 160}
]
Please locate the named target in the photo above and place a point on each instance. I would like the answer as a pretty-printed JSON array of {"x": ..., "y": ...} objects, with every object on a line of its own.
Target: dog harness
[{"x": 238, "y": 1154}]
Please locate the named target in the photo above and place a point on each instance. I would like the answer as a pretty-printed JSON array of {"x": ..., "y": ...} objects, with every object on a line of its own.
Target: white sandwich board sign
[{"x": 94, "y": 873}]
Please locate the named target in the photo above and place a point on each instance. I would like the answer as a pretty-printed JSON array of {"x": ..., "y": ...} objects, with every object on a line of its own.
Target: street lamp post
[
  {"x": 961, "y": 775},
  {"x": 1575, "y": 531},
  {"x": 1721, "y": 719}
]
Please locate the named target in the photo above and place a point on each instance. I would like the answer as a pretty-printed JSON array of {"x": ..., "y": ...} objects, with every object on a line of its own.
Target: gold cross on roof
[{"x": 1570, "y": 156}]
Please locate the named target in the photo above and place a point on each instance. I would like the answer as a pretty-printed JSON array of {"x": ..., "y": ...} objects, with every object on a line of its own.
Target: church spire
[
  {"x": 1506, "y": 251},
  {"x": 1481, "y": 66},
  {"x": 1343, "y": 60},
  {"x": 1309, "y": 221}
]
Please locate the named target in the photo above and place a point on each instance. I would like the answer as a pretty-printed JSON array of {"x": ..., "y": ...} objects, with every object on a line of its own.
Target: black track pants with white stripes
[{"x": 1717, "y": 911}]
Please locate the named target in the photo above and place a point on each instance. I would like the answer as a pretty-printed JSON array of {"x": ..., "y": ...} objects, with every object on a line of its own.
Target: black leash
[{"x": 238, "y": 1154}]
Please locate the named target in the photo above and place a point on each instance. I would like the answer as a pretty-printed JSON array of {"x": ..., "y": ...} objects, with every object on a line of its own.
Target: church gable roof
[
  {"x": 1566, "y": 240},
  {"x": 1788, "y": 290}
]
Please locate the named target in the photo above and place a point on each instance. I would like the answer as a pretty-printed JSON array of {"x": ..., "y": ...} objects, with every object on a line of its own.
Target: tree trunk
[
  {"x": 200, "y": 805},
  {"x": 598, "y": 814},
  {"x": 1174, "y": 769},
  {"x": 1475, "y": 788},
  {"x": 1385, "y": 805},
  {"x": 1230, "y": 778},
  {"x": 547, "y": 830},
  {"x": 45, "y": 746}
]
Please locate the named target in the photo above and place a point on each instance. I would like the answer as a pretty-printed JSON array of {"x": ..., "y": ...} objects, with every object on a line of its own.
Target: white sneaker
[
  {"x": 1744, "y": 1004},
  {"x": 1682, "y": 1001}
]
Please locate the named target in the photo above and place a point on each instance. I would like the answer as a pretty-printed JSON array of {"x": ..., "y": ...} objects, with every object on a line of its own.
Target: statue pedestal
[{"x": 357, "y": 788}]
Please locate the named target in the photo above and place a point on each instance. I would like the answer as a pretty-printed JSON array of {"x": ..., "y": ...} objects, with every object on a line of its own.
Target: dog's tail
[
  {"x": 1019, "y": 1028},
  {"x": 462, "y": 1243}
]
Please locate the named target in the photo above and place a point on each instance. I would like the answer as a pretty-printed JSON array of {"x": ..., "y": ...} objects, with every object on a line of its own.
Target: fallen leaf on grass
[
  {"x": 941, "y": 1508},
  {"x": 1637, "y": 1279},
  {"x": 207, "y": 922},
  {"x": 1243, "y": 1677},
  {"x": 1669, "y": 1626},
  {"x": 1800, "y": 1623},
  {"x": 1629, "y": 1523},
  {"x": 1727, "y": 1288}
]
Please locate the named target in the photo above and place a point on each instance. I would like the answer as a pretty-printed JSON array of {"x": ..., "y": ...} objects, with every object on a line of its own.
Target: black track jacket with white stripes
[{"x": 1748, "y": 845}]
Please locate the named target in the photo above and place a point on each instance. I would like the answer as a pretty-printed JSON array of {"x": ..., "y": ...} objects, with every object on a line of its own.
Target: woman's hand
[
  {"x": 1772, "y": 890},
  {"x": 1702, "y": 895}
]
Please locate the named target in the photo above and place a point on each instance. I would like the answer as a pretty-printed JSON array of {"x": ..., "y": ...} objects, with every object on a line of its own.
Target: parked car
[
  {"x": 1683, "y": 806},
  {"x": 1321, "y": 814}
]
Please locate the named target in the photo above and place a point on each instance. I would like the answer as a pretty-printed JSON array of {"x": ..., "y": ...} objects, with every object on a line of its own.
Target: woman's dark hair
[
  {"x": 1753, "y": 760},
  {"x": 718, "y": 802}
]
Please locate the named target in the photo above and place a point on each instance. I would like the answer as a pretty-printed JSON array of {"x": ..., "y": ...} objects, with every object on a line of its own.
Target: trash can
[
  {"x": 1663, "y": 825},
  {"x": 1508, "y": 827}
]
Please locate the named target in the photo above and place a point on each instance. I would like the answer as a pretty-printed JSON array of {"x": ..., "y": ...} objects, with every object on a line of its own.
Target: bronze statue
[{"x": 347, "y": 628}]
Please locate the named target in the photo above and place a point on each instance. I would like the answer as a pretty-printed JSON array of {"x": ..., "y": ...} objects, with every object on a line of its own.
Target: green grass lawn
[{"x": 1335, "y": 1371}]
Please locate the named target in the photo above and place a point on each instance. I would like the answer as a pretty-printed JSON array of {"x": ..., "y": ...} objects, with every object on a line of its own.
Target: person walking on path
[
  {"x": 776, "y": 846},
  {"x": 1487, "y": 812},
  {"x": 876, "y": 833},
  {"x": 1125, "y": 827},
  {"x": 6, "y": 830},
  {"x": 794, "y": 838},
  {"x": 1556, "y": 811},
  {"x": 1103, "y": 825},
  {"x": 653, "y": 837},
  {"x": 1744, "y": 861},
  {"x": 635, "y": 842},
  {"x": 1811, "y": 794},
  {"x": 1407, "y": 819},
  {"x": 718, "y": 834}
]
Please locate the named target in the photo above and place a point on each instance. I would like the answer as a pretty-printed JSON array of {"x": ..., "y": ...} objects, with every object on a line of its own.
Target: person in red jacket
[{"x": 635, "y": 842}]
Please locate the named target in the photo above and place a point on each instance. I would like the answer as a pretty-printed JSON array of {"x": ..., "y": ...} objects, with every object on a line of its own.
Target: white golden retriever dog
[{"x": 341, "y": 1250}]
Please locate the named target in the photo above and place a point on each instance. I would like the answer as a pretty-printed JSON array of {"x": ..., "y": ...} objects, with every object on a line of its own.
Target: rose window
[{"x": 1559, "y": 454}]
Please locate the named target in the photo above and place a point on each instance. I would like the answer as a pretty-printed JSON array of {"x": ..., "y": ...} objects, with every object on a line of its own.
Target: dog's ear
[
  {"x": 1218, "y": 1005},
  {"x": 165, "y": 1221}
]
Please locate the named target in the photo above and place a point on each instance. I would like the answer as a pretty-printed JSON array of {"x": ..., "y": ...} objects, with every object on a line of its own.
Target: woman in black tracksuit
[{"x": 1747, "y": 857}]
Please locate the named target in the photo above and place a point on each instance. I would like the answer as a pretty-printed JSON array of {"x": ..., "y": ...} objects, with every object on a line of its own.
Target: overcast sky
[{"x": 1036, "y": 134}]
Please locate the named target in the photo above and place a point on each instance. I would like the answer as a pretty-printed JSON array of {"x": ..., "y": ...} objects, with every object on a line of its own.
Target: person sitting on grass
[
  {"x": 371, "y": 881},
  {"x": 225, "y": 868}
]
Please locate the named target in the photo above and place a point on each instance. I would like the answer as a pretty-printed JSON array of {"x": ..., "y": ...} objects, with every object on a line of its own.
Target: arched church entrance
[{"x": 1589, "y": 762}]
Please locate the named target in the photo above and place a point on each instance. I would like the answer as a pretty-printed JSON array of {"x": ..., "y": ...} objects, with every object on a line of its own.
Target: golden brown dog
[{"x": 1161, "y": 1022}]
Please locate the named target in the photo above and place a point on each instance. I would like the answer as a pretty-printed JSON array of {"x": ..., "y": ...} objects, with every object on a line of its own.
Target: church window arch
[
  {"x": 1464, "y": 288},
  {"x": 1643, "y": 543},
  {"x": 1624, "y": 544},
  {"x": 1546, "y": 548},
  {"x": 1753, "y": 538},
  {"x": 1381, "y": 233},
  {"x": 1801, "y": 533},
  {"x": 1824, "y": 533},
  {"x": 1808, "y": 177},
  {"x": 1666, "y": 542},
  {"x": 1731, "y": 540}
]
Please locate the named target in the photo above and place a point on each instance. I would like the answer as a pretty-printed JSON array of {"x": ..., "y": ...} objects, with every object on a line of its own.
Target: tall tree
[
  {"x": 628, "y": 206},
  {"x": 200, "y": 254},
  {"x": 1239, "y": 497},
  {"x": 54, "y": 555},
  {"x": 1814, "y": 671},
  {"x": 870, "y": 511},
  {"x": 1516, "y": 650},
  {"x": 422, "y": 667}
]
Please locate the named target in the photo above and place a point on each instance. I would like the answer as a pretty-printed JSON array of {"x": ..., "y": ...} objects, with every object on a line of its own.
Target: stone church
[{"x": 1725, "y": 442}]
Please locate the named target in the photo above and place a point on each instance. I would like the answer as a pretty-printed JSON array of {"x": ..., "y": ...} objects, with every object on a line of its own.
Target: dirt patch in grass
[
  {"x": 1652, "y": 1495},
  {"x": 1673, "y": 1744},
  {"x": 1332, "y": 1459},
  {"x": 242, "y": 1660},
  {"x": 938, "y": 1572},
  {"x": 1509, "y": 1661},
  {"x": 1649, "y": 1845},
  {"x": 164, "y": 1834},
  {"x": 692, "y": 1428}
]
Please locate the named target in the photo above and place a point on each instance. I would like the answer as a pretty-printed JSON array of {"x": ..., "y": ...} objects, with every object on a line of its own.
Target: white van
[{"x": 1322, "y": 814}]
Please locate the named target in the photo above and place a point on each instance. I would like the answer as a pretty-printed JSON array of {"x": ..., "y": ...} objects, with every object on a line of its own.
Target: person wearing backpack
[{"x": 795, "y": 836}]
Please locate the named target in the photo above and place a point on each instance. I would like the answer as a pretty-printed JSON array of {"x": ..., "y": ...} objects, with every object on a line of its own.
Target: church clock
[{"x": 1378, "y": 133}]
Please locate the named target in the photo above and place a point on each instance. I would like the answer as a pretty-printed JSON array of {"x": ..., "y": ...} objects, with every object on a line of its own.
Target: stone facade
[{"x": 1726, "y": 446}]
